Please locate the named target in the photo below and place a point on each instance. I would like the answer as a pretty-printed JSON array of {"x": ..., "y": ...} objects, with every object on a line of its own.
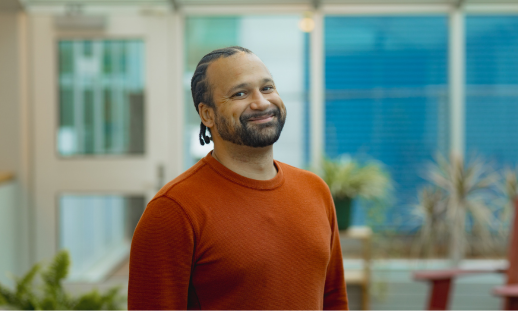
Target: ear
[{"x": 207, "y": 115}]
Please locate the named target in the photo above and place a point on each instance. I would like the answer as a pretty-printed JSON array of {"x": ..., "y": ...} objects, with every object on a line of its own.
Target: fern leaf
[
  {"x": 89, "y": 301},
  {"x": 58, "y": 269},
  {"x": 7, "y": 297},
  {"x": 24, "y": 284},
  {"x": 51, "y": 296},
  {"x": 54, "y": 294},
  {"x": 112, "y": 300}
]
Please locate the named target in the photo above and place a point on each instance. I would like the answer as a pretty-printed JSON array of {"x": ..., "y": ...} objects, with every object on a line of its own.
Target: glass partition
[
  {"x": 280, "y": 44},
  {"x": 101, "y": 97}
]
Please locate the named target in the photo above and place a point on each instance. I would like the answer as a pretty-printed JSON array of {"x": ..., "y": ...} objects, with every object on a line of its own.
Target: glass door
[
  {"x": 102, "y": 136},
  {"x": 101, "y": 97}
]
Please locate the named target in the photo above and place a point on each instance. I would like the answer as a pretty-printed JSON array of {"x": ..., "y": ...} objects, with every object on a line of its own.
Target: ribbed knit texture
[{"x": 213, "y": 239}]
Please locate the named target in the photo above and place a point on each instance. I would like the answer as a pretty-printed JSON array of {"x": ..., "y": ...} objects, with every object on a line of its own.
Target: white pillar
[
  {"x": 316, "y": 82},
  {"x": 457, "y": 59},
  {"x": 457, "y": 81},
  {"x": 176, "y": 93}
]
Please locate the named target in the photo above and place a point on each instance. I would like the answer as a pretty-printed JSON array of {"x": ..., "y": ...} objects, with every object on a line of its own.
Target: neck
[{"x": 254, "y": 163}]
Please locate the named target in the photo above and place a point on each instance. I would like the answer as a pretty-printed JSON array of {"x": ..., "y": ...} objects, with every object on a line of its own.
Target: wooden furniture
[
  {"x": 5, "y": 176},
  {"x": 441, "y": 281},
  {"x": 359, "y": 277}
]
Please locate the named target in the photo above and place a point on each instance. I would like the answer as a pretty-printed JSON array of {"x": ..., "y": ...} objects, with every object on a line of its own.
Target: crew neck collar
[{"x": 270, "y": 184}]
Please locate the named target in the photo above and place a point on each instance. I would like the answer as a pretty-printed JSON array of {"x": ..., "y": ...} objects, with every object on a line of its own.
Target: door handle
[{"x": 160, "y": 176}]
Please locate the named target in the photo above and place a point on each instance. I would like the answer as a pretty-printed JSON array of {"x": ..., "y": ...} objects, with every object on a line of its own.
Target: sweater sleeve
[
  {"x": 161, "y": 258},
  {"x": 335, "y": 294}
]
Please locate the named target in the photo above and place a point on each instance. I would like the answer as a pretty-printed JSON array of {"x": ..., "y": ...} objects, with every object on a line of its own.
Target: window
[
  {"x": 101, "y": 97},
  {"x": 386, "y": 96},
  {"x": 97, "y": 231},
  {"x": 492, "y": 88}
]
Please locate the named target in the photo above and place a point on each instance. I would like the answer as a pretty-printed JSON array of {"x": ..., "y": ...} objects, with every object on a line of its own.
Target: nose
[{"x": 259, "y": 102}]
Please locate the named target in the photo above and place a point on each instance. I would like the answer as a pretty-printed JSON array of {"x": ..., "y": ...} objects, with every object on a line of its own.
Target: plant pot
[{"x": 343, "y": 208}]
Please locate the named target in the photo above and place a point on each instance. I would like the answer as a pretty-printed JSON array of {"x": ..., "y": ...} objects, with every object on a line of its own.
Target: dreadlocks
[{"x": 200, "y": 88}]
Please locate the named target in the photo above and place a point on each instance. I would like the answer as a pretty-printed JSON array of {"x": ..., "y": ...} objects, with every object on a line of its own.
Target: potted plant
[
  {"x": 456, "y": 206},
  {"x": 348, "y": 179}
]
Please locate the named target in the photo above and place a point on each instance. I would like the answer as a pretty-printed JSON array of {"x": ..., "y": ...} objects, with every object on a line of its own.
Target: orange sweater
[{"x": 213, "y": 239}]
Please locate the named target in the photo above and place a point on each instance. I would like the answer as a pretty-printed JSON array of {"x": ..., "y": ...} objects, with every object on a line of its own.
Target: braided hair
[{"x": 200, "y": 88}]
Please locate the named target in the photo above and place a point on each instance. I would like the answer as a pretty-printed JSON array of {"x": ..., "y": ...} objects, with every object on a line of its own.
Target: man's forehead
[{"x": 226, "y": 71}]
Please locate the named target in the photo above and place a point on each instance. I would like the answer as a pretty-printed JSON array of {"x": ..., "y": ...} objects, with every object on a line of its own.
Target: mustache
[{"x": 276, "y": 112}]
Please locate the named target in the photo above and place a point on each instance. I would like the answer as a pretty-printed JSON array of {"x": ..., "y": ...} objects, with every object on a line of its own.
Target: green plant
[
  {"x": 348, "y": 178},
  {"x": 50, "y": 294},
  {"x": 465, "y": 190}
]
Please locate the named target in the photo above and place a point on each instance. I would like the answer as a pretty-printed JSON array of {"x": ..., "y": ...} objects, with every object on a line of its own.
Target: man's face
[{"x": 249, "y": 110}]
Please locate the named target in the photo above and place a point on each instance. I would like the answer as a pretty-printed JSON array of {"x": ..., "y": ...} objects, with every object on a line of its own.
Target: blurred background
[{"x": 411, "y": 103}]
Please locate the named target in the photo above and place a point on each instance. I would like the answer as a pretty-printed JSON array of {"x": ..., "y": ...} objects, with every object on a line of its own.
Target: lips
[{"x": 263, "y": 117}]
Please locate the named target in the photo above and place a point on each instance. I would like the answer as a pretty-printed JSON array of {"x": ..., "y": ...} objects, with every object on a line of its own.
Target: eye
[
  {"x": 268, "y": 88},
  {"x": 239, "y": 94}
]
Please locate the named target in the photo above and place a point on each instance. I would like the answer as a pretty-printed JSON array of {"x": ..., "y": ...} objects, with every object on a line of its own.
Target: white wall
[
  {"x": 13, "y": 214},
  {"x": 9, "y": 95}
]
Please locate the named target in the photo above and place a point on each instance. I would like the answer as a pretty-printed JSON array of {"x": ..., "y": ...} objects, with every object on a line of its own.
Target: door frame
[{"x": 53, "y": 174}]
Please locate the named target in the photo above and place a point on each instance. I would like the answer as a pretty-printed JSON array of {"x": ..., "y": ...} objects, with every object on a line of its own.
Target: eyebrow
[{"x": 242, "y": 85}]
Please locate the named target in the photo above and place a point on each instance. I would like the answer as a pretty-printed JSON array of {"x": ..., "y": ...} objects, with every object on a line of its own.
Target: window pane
[
  {"x": 386, "y": 96},
  {"x": 280, "y": 44},
  {"x": 97, "y": 231},
  {"x": 101, "y": 102},
  {"x": 492, "y": 88}
]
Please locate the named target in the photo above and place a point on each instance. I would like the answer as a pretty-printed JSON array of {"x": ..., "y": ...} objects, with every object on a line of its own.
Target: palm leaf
[{"x": 467, "y": 188}]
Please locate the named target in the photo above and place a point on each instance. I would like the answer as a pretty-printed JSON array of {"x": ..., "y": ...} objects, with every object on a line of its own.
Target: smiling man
[{"x": 238, "y": 230}]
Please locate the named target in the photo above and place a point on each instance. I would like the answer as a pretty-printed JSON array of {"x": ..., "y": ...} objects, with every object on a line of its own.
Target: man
[{"x": 238, "y": 230}]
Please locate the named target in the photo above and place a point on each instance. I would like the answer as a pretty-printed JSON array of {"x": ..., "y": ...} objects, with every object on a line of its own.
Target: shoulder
[
  {"x": 182, "y": 196},
  {"x": 163, "y": 221},
  {"x": 298, "y": 176},
  {"x": 187, "y": 182}
]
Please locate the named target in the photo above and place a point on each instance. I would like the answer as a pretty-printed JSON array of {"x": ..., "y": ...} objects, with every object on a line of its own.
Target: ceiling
[{"x": 252, "y": 2}]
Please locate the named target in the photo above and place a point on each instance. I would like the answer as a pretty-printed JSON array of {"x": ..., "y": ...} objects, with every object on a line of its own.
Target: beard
[{"x": 252, "y": 135}]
